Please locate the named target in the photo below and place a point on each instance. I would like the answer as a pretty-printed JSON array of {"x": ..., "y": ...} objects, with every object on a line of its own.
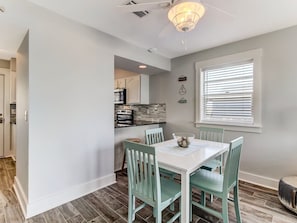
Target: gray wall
[{"x": 267, "y": 156}]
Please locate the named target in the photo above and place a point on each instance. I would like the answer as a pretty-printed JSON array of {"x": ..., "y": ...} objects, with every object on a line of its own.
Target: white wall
[
  {"x": 67, "y": 148},
  {"x": 22, "y": 130},
  {"x": 270, "y": 155}
]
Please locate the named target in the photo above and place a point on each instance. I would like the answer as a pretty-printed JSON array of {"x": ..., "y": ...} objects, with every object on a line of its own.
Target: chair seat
[
  {"x": 208, "y": 181},
  {"x": 170, "y": 191},
  {"x": 212, "y": 165}
]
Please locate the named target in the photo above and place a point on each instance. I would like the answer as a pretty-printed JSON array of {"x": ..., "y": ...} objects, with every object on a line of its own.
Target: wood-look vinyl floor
[{"x": 257, "y": 205}]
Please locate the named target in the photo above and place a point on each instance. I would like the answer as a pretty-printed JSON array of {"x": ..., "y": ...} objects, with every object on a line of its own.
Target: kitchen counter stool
[{"x": 138, "y": 140}]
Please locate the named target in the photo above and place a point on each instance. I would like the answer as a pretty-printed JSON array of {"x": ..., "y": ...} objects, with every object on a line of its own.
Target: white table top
[{"x": 187, "y": 160}]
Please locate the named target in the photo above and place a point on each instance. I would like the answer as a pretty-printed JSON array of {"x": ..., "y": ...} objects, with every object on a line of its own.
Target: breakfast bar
[{"x": 131, "y": 121}]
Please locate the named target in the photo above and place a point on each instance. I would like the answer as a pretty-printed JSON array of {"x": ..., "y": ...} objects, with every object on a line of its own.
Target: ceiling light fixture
[
  {"x": 2, "y": 9},
  {"x": 186, "y": 15},
  {"x": 142, "y": 66}
]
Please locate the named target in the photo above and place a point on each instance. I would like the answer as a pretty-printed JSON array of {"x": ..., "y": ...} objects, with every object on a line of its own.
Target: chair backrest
[
  {"x": 232, "y": 163},
  {"x": 153, "y": 136},
  {"x": 211, "y": 134},
  {"x": 143, "y": 172}
]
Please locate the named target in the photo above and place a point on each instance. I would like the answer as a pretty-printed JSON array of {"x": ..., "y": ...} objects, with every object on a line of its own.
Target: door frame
[{"x": 6, "y": 73}]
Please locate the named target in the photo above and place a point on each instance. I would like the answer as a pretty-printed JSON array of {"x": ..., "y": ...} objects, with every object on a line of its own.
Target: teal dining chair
[
  {"x": 153, "y": 136},
  {"x": 216, "y": 135},
  {"x": 220, "y": 184},
  {"x": 212, "y": 134},
  {"x": 145, "y": 183}
]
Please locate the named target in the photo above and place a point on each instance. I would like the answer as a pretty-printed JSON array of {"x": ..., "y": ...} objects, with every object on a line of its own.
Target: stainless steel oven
[{"x": 124, "y": 117}]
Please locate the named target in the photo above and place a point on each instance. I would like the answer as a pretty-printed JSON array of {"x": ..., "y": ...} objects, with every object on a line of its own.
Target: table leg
[{"x": 185, "y": 197}]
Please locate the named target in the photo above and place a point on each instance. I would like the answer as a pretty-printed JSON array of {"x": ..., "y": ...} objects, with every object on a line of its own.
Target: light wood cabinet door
[
  {"x": 133, "y": 89},
  {"x": 137, "y": 88},
  {"x": 120, "y": 83}
]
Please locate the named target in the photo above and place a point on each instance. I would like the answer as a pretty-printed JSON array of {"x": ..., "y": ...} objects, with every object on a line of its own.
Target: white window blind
[{"x": 227, "y": 93}]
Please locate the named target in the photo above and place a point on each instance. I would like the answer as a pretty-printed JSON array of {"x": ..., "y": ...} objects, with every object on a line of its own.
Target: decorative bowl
[{"x": 183, "y": 139}]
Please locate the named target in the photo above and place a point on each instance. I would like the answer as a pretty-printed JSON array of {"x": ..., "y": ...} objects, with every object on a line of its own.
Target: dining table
[{"x": 185, "y": 161}]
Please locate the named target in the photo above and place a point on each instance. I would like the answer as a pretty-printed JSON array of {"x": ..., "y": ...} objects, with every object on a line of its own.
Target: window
[{"x": 228, "y": 91}]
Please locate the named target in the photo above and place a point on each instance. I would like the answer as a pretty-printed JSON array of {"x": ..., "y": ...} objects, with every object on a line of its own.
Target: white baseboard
[
  {"x": 48, "y": 202},
  {"x": 21, "y": 196},
  {"x": 13, "y": 158},
  {"x": 259, "y": 180}
]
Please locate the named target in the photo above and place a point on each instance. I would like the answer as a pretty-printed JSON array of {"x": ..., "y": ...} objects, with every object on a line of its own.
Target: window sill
[{"x": 231, "y": 127}]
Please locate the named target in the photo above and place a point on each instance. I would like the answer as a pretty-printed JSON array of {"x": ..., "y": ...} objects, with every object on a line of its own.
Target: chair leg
[
  {"x": 236, "y": 204},
  {"x": 124, "y": 160},
  {"x": 191, "y": 205},
  {"x": 222, "y": 161},
  {"x": 172, "y": 205},
  {"x": 203, "y": 200},
  {"x": 211, "y": 198},
  {"x": 225, "y": 210},
  {"x": 159, "y": 215},
  {"x": 131, "y": 208}
]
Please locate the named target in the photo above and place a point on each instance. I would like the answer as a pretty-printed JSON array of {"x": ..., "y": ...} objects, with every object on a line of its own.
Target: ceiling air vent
[{"x": 140, "y": 14}]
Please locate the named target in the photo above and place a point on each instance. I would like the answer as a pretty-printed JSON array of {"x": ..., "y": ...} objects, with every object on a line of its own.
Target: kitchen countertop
[{"x": 141, "y": 123}]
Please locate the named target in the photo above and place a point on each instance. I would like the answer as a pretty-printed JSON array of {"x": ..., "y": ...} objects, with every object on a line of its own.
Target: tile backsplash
[{"x": 146, "y": 112}]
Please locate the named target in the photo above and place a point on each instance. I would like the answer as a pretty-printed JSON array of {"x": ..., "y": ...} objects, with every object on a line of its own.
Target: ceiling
[
  {"x": 130, "y": 65},
  {"x": 225, "y": 21}
]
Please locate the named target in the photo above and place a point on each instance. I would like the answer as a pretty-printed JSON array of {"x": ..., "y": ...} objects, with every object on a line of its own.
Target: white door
[{"x": 2, "y": 100}]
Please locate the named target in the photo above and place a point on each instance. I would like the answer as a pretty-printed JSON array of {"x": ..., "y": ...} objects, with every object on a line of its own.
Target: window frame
[{"x": 256, "y": 56}]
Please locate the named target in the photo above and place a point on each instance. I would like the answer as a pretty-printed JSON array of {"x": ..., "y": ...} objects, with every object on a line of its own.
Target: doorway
[{"x": 2, "y": 110}]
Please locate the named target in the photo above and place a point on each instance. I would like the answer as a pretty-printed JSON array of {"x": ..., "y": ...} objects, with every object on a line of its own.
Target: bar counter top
[{"x": 140, "y": 123}]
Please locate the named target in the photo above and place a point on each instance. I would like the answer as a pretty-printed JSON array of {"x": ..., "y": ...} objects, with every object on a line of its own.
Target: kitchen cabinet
[
  {"x": 133, "y": 89},
  {"x": 137, "y": 88},
  {"x": 120, "y": 83}
]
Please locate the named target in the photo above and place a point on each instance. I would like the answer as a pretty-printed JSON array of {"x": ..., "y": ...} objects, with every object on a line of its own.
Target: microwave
[{"x": 120, "y": 96}]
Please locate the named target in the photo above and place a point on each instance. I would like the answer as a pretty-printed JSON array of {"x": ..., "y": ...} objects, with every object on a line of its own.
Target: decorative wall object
[
  {"x": 182, "y": 90},
  {"x": 182, "y": 78},
  {"x": 182, "y": 101}
]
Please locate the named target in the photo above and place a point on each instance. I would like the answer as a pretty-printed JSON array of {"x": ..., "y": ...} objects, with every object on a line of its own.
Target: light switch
[{"x": 26, "y": 115}]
